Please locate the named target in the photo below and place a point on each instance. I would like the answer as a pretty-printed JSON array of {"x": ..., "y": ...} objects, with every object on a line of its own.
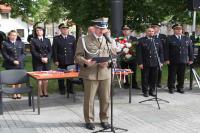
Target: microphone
[{"x": 108, "y": 39}]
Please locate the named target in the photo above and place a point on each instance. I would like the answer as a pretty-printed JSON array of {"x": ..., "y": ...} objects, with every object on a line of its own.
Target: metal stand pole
[
  {"x": 112, "y": 128},
  {"x": 156, "y": 96}
]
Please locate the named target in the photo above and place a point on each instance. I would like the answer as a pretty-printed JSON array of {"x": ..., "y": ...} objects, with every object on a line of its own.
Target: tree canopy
[{"x": 137, "y": 13}]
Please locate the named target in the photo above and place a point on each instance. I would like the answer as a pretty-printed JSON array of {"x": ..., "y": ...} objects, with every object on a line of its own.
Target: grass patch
[{"x": 53, "y": 84}]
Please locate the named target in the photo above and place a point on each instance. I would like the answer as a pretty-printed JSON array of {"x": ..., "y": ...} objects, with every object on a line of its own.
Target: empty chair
[{"x": 13, "y": 77}]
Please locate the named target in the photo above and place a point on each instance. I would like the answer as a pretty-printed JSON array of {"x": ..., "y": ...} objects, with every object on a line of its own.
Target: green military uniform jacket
[{"x": 94, "y": 72}]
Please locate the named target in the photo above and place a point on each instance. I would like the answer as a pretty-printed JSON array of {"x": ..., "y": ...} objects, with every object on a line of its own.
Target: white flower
[
  {"x": 128, "y": 56},
  {"x": 118, "y": 44},
  {"x": 125, "y": 50},
  {"x": 118, "y": 49},
  {"x": 128, "y": 45}
]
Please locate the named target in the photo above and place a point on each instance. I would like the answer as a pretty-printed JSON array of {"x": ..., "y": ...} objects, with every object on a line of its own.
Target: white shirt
[
  {"x": 157, "y": 35},
  {"x": 40, "y": 38},
  {"x": 13, "y": 42},
  {"x": 64, "y": 36},
  {"x": 178, "y": 36}
]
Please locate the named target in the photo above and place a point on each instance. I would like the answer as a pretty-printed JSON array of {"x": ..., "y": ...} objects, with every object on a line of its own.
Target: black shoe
[
  {"x": 19, "y": 97},
  {"x": 136, "y": 87},
  {"x": 152, "y": 94},
  {"x": 70, "y": 92},
  {"x": 159, "y": 86},
  {"x": 14, "y": 97},
  {"x": 105, "y": 125},
  {"x": 126, "y": 85},
  {"x": 171, "y": 91},
  {"x": 46, "y": 95},
  {"x": 90, "y": 126},
  {"x": 180, "y": 91},
  {"x": 145, "y": 94},
  {"x": 62, "y": 92}
]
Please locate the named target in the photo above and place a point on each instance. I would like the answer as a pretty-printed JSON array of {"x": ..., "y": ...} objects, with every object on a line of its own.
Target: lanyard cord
[{"x": 84, "y": 46}]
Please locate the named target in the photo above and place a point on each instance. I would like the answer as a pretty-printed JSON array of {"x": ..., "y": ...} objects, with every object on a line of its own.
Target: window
[
  {"x": 49, "y": 31},
  {"x": 4, "y": 16}
]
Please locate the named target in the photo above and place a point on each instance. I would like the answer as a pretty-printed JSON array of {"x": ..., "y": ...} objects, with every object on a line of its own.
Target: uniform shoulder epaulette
[{"x": 142, "y": 38}]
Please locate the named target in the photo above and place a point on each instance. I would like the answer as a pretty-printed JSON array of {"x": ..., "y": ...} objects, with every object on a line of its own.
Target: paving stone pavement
[{"x": 61, "y": 115}]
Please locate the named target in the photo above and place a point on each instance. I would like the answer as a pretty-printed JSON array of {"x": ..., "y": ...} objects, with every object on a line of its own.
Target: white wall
[{"x": 13, "y": 24}]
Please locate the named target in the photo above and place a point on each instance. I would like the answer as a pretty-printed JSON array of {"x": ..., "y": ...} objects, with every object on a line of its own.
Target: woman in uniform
[
  {"x": 13, "y": 52},
  {"x": 41, "y": 55}
]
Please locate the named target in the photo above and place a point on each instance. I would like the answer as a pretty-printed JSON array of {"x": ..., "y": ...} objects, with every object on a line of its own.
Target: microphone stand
[
  {"x": 197, "y": 77},
  {"x": 112, "y": 66},
  {"x": 156, "y": 96}
]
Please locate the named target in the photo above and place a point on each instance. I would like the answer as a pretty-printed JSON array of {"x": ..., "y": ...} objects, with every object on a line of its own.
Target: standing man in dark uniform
[
  {"x": 13, "y": 52},
  {"x": 179, "y": 53},
  {"x": 129, "y": 63},
  {"x": 63, "y": 54},
  {"x": 162, "y": 38},
  {"x": 147, "y": 60}
]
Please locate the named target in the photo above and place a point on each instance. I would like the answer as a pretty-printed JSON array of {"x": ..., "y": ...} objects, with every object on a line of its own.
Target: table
[{"x": 48, "y": 75}]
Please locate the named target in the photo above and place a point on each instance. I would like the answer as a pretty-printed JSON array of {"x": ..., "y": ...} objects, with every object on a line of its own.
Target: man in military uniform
[
  {"x": 96, "y": 76},
  {"x": 179, "y": 53},
  {"x": 129, "y": 63},
  {"x": 63, "y": 54},
  {"x": 148, "y": 49},
  {"x": 162, "y": 38}
]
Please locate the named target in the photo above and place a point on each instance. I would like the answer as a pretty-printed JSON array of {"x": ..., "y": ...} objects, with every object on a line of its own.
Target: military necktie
[
  {"x": 99, "y": 40},
  {"x": 179, "y": 37},
  {"x": 151, "y": 39}
]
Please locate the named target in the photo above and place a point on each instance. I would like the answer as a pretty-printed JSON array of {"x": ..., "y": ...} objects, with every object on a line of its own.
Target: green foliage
[
  {"x": 30, "y": 10},
  {"x": 83, "y": 11},
  {"x": 137, "y": 13},
  {"x": 140, "y": 13}
]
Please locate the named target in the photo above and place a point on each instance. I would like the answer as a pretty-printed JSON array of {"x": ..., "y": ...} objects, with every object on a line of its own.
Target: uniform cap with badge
[
  {"x": 125, "y": 27},
  {"x": 63, "y": 25},
  {"x": 39, "y": 27},
  {"x": 177, "y": 26},
  {"x": 101, "y": 23},
  {"x": 156, "y": 25}
]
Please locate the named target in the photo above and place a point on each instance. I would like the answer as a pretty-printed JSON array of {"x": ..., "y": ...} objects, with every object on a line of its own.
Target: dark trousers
[
  {"x": 132, "y": 66},
  {"x": 159, "y": 77},
  {"x": 149, "y": 77},
  {"x": 173, "y": 71},
  {"x": 61, "y": 82}
]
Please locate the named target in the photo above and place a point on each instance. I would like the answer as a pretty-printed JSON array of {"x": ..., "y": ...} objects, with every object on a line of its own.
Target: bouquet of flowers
[{"x": 125, "y": 48}]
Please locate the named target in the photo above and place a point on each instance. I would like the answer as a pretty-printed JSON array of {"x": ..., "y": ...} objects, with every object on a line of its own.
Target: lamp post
[{"x": 116, "y": 17}]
